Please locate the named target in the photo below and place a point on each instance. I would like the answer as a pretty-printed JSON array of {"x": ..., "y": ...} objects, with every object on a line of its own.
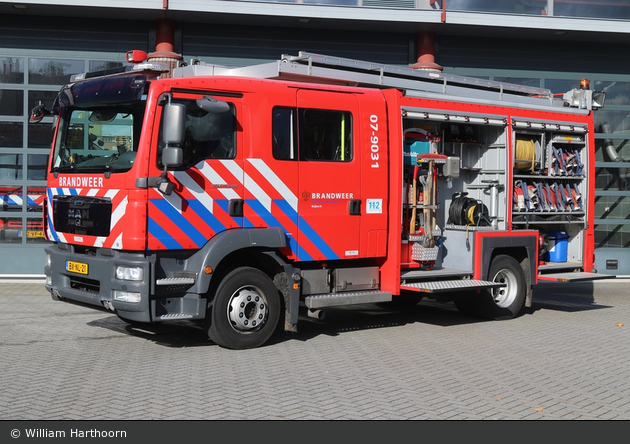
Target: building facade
[{"x": 547, "y": 43}]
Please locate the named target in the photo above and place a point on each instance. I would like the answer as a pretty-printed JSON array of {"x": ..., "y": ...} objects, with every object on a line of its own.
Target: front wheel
[
  {"x": 504, "y": 302},
  {"x": 245, "y": 311}
]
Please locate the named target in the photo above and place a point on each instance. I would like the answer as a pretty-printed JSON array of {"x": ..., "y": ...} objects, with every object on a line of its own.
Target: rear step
[
  {"x": 574, "y": 277},
  {"x": 350, "y": 298},
  {"x": 445, "y": 286}
]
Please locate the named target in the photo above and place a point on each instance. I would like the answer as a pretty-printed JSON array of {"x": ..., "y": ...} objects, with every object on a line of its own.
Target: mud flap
[{"x": 525, "y": 265}]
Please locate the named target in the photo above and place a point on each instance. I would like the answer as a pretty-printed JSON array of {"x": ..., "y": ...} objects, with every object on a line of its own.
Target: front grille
[
  {"x": 84, "y": 285},
  {"x": 82, "y": 215},
  {"x": 88, "y": 251}
]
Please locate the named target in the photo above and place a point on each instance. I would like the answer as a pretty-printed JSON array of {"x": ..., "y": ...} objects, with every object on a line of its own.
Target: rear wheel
[
  {"x": 504, "y": 302},
  {"x": 245, "y": 311}
]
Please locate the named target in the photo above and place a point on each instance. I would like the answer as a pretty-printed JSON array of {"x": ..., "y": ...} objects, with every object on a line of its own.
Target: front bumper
[{"x": 96, "y": 283}]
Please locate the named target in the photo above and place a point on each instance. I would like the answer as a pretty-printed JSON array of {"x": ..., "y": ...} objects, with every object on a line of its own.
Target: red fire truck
[{"x": 243, "y": 197}]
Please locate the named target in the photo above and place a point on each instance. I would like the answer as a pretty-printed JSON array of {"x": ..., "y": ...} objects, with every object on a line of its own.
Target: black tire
[
  {"x": 245, "y": 311},
  {"x": 505, "y": 302}
]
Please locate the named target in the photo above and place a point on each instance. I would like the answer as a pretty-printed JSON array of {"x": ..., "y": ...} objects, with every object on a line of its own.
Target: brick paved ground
[{"x": 566, "y": 358}]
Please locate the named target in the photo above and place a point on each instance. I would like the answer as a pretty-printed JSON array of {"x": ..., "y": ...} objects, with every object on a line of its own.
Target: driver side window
[{"x": 207, "y": 135}]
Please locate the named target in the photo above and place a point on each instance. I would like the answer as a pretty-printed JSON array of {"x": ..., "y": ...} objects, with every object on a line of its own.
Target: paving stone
[{"x": 564, "y": 359}]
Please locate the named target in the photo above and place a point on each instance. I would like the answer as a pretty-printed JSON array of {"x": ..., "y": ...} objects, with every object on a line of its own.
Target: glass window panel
[
  {"x": 11, "y": 102},
  {"x": 531, "y": 7},
  {"x": 612, "y": 209},
  {"x": 332, "y": 2},
  {"x": 35, "y": 230},
  {"x": 11, "y": 70},
  {"x": 560, "y": 86},
  {"x": 616, "y": 174},
  {"x": 11, "y": 135},
  {"x": 325, "y": 135},
  {"x": 612, "y": 150},
  {"x": 35, "y": 198},
  {"x": 10, "y": 198},
  {"x": 41, "y": 97},
  {"x": 37, "y": 166},
  {"x": 617, "y": 236},
  {"x": 612, "y": 121},
  {"x": 10, "y": 166},
  {"x": 40, "y": 135},
  {"x": 101, "y": 65},
  {"x": 10, "y": 230},
  {"x": 519, "y": 81},
  {"x": 617, "y": 93},
  {"x": 207, "y": 135},
  {"x": 615, "y": 9},
  {"x": 284, "y": 133},
  {"x": 53, "y": 71}
]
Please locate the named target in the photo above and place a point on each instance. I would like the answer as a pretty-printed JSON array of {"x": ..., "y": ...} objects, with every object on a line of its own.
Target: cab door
[
  {"x": 208, "y": 194},
  {"x": 330, "y": 205}
]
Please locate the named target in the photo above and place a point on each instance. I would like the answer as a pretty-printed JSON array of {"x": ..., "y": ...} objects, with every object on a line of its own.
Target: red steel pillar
[
  {"x": 426, "y": 52},
  {"x": 165, "y": 38}
]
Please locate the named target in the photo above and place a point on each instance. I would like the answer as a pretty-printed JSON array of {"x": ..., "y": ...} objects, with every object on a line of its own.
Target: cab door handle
[
  {"x": 354, "y": 207},
  {"x": 235, "y": 208}
]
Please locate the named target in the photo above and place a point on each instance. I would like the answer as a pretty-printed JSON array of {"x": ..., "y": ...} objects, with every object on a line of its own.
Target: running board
[
  {"x": 175, "y": 281},
  {"x": 349, "y": 298},
  {"x": 574, "y": 277},
  {"x": 445, "y": 286}
]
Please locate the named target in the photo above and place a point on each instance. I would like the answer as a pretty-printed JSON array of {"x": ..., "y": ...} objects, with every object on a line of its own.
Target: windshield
[{"x": 98, "y": 139}]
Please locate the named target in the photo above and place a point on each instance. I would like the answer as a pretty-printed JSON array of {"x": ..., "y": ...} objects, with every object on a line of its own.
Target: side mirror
[
  {"x": 173, "y": 123},
  {"x": 173, "y": 130},
  {"x": 172, "y": 156},
  {"x": 37, "y": 114}
]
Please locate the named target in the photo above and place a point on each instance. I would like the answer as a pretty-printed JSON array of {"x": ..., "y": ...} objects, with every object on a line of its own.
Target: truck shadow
[
  {"x": 178, "y": 334},
  {"x": 568, "y": 297}
]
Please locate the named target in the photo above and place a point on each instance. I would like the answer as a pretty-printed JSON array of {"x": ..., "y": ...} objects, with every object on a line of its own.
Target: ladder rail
[
  {"x": 325, "y": 69},
  {"x": 389, "y": 73}
]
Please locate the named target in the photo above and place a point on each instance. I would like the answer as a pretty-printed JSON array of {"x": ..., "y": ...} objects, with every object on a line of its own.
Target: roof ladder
[{"x": 381, "y": 75}]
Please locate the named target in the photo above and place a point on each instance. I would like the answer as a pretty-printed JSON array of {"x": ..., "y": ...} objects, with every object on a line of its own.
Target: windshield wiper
[
  {"x": 65, "y": 168},
  {"x": 105, "y": 169}
]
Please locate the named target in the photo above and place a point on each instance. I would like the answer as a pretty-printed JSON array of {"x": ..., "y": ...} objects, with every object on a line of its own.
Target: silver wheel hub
[
  {"x": 505, "y": 296},
  {"x": 247, "y": 309}
]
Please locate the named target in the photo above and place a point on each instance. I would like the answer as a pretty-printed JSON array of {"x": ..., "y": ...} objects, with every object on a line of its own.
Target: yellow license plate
[
  {"x": 77, "y": 267},
  {"x": 34, "y": 234}
]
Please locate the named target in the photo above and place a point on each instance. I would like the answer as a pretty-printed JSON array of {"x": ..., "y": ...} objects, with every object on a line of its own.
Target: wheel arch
[
  {"x": 255, "y": 248},
  {"x": 524, "y": 249},
  {"x": 241, "y": 246}
]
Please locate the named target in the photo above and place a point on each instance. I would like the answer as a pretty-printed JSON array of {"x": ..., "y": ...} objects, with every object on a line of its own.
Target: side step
[
  {"x": 349, "y": 298},
  {"x": 574, "y": 276},
  {"x": 446, "y": 286},
  {"x": 175, "y": 281}
]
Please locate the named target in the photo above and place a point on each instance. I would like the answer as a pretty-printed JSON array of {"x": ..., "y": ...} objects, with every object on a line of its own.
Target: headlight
[
  {"x": 126, "y": 296},
  {"x": 129, "y": 273}
]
